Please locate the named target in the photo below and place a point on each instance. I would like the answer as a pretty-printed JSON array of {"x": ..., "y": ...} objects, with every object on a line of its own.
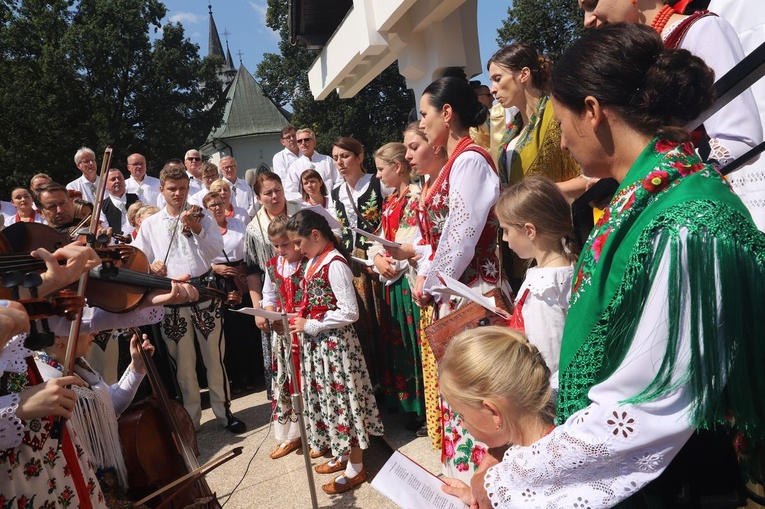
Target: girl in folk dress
[
  {"x": 536, "y": 224},
  {"x": 282, "y": 291},
  {"x": 401, "y": 357},
  {"x": 340, "y": 406}
]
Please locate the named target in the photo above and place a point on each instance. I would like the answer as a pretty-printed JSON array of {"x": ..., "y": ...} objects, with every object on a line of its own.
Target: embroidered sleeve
[
  {"x": 11, "y": 427},
  {"x": 347, "y": 312},
  {"x": 607, "y": 451},
  {"x": 13, "y": 355},
  {"x": 473, "y": 190},
  {"x": 423, "y": 264},
  {"x": 737, "y": 127},
  {"x": 123, "y": 392}
]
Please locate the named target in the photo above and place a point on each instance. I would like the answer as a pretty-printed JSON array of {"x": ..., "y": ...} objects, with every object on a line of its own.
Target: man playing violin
[{"x": 181, "y": 242}]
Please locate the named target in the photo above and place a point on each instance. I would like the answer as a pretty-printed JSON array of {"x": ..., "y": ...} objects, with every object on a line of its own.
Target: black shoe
[
  {"x": 235, "y": 426},
  {"x": 422, "y": 432}
]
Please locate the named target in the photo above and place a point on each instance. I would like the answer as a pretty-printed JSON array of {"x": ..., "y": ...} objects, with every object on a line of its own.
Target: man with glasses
[
  {"x": 310, "y": 159},
  {"x": 241, "y": 194},
  {"x": 284, "y": 158},
  {"x": 85, "y": 159},
  {"x": 193, "y": 163},
  {"x": 142, "y": 185}
]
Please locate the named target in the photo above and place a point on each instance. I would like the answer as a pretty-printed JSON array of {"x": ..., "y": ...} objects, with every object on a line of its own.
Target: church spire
[{"x": 215, "y": 48}]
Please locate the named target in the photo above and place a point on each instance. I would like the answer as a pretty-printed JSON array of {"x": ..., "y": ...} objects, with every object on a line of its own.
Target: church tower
[{"x": 226, "y": 71}]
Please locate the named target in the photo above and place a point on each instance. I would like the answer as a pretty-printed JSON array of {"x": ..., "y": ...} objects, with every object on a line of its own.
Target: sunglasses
[
  {"x": 304, "y": 140},
  {"x": 193, "y": 158}
]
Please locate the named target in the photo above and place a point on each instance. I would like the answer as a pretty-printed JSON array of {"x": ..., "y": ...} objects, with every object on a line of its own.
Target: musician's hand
[
  {"x": 13, "y": 320},
  {"x": 384, "y": 264},
  {"x": 458, "y": 489},
  {"x": 192, "y": 220},
  {"x": 136, "y": 361},
  {"x": 78, "y": 259},
  {"x": 158, "y": 268},
  {"x": 297, "y": 324},
  {"x": 224, "y": 270},
  {"x": 48, "y": 398},
  {"x": 180, "y": 293},
  {"x": 404, "y": 252}
]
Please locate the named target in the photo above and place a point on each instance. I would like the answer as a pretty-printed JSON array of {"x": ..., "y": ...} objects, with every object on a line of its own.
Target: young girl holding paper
[
  {"x": 340, "y": 405},
  {"x": 282, "y": 291},
  {"x": 401, "y": 357},
  {"x": 536, "y": 224}
]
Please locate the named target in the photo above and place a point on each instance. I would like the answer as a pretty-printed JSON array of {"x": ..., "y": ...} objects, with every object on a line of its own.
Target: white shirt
[
  {"x": 243, "y": 196},
  {"x": 233, "y": 242},
  {"x": 121, "y": 203},
  {"x": 188, "y": 255},
  {"x": 87, "y": 188},
  {"x": 8, "y": 211},
  {"x": 319, "y": 162},
  {"x": 147, "y": 190},
  {"x": 282, "y": 161}
]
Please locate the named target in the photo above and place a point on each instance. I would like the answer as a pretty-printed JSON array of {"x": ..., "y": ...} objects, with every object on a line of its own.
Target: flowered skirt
[
  {"x": 401, "y": 351},
  {"x": 430, "y": 380},
  {"x": 340, "y": 406}
]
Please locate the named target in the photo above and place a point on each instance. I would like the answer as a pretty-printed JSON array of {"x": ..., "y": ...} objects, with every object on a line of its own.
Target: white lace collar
[{"x": 13, "y": 355}]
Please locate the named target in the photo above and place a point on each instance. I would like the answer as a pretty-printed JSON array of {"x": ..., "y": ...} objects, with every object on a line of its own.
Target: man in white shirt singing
[
  {"x": 306, "y": 140},
  {"x": 139, "y": 183}
]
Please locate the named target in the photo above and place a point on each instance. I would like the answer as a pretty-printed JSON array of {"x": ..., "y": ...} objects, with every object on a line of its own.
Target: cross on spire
[
  {"x": 239, "y": 54},
  {"x": 226, "y": 33}
]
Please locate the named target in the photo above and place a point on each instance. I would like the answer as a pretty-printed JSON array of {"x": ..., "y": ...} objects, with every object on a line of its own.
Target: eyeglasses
[
  {"x": 136, "y": 164},
  {"x": 229, "y": 167},
  {"x": 193, "y": 158},
  {"x": 88, "y": 161},
  {"x": 289, "y": 137},
  {"x": 304, "y": 140},
  {"x": 215, "y": 205}
]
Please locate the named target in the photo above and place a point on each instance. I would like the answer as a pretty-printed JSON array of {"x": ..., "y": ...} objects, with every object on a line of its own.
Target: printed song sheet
[{"x": 410, "y": 486}]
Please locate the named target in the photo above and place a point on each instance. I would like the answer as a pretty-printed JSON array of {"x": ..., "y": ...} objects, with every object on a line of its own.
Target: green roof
[{"x": 248, "y": 110}]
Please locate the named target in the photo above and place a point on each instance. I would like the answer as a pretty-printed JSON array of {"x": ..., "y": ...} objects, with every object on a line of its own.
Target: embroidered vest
[
  {"x": 369, "y": 205},
  {"x": 290, "y": 288},
  {"x": 318, "y": 297}
]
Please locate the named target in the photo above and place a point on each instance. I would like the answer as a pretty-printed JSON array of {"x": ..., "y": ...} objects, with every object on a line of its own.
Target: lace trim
[
  {"x": 719, "y": 152},
  {"x": 11, "y": 427},
  {"x": 549, "y": 284},
  {"x": 13, "y": 355}
]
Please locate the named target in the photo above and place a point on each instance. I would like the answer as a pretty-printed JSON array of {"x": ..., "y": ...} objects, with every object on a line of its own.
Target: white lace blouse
[{"x": 12, "y": 360}]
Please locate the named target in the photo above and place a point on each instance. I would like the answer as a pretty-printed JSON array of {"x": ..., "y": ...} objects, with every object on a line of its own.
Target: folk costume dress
[
  {"x": 459, "y": 232},
  {"x": 257, "y": 252},
  {"x": 663, "y": 338},
  {"x": 340, "y": 406},
  {"x": 361, "y": 207},
  {"x": 283, "y": 284},
  {"x": 95, "y": 421},
  {"x": 34, "y": 471},
  {"x": 401, "y": 354}
]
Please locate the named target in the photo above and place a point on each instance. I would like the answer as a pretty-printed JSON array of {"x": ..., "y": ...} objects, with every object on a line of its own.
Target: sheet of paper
[
  {"x": 410, "y": 486},
  {"x": 269, "y": 315},
  {"x": 454, "y": 287},
  {"x": 383, "y": 241},
  {"x": 368, "y": 263}
]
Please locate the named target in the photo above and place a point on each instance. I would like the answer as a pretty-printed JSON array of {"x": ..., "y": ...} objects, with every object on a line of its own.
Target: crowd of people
[{"x": 623, "y": 371}]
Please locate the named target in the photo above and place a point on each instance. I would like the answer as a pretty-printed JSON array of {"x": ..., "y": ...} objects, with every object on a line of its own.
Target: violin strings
[{"x": 150, "y": 281}]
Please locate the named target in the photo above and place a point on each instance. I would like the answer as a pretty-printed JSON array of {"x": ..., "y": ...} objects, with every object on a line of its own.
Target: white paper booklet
[
  {"x": 410, "y": 486},
  {"x": 268, "y": 315},
  {"x": 454, "y": 287},
  {"x": 333, "y": 223},
  {"x": 362, "y": 261},
  {"x": 383, "y": 241}
]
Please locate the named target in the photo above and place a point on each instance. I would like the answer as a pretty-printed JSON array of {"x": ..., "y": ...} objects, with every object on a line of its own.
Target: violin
[
  {"x": 161, "y": 449},
  {"x": 122, "y": 265},
  {"x": 196, "y": 212}
]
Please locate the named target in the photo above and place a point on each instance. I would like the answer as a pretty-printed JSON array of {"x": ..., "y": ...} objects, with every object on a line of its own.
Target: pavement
[{"x": 253, "y": 479}]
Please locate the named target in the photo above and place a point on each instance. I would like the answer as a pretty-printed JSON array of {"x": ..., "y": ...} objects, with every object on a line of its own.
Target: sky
[{"x": 244, "y": 20}]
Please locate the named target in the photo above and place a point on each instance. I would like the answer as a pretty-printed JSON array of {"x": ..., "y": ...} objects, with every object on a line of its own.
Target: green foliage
[
  {"x": 86, "y": 72},
  {"x": 548, "y": 26},
  {"x": 375, "y": 116}
]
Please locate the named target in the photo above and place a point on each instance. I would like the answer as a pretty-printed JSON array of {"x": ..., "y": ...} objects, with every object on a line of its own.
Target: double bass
[{"x": 161, "y": 450}]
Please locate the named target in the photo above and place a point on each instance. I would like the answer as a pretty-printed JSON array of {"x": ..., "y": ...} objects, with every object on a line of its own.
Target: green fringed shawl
[{"x": 668, "y": 189}]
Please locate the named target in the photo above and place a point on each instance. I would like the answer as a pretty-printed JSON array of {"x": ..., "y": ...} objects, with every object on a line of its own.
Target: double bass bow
[{"x": 161, "y": 451}]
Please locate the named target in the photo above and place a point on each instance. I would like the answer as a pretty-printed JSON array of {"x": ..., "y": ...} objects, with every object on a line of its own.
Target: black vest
[{"x": 114, "y": 214}]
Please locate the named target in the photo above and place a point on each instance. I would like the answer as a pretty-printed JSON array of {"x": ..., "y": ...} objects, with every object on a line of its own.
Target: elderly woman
[
  {"x": 666, "y": 304},
  {"x": 224, "y": 189},
  {"x": 258, "y": 251}
]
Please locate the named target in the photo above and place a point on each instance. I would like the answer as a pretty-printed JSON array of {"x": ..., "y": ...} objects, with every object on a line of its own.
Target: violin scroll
[{"x": 194, "y": 211}]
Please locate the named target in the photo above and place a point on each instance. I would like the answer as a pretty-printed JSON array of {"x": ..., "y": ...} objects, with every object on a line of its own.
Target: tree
[
  {"x": 86, "y": 72},
  {"x": 375, "y": 116},
  {"x": 549, "y": 28}
]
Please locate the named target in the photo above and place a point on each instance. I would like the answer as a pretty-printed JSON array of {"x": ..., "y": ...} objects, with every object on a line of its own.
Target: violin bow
[
  {"x": 74, "y": 328},
  {"x": 175, "y": 227}
]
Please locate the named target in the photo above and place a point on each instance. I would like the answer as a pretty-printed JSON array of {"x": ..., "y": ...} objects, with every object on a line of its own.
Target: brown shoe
[
  {"x": 317, "y": 454},
  {"x": 284, "y": 449},
  {"x": 333, "y": 488},
  {"x": 326, "y": 468}
]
